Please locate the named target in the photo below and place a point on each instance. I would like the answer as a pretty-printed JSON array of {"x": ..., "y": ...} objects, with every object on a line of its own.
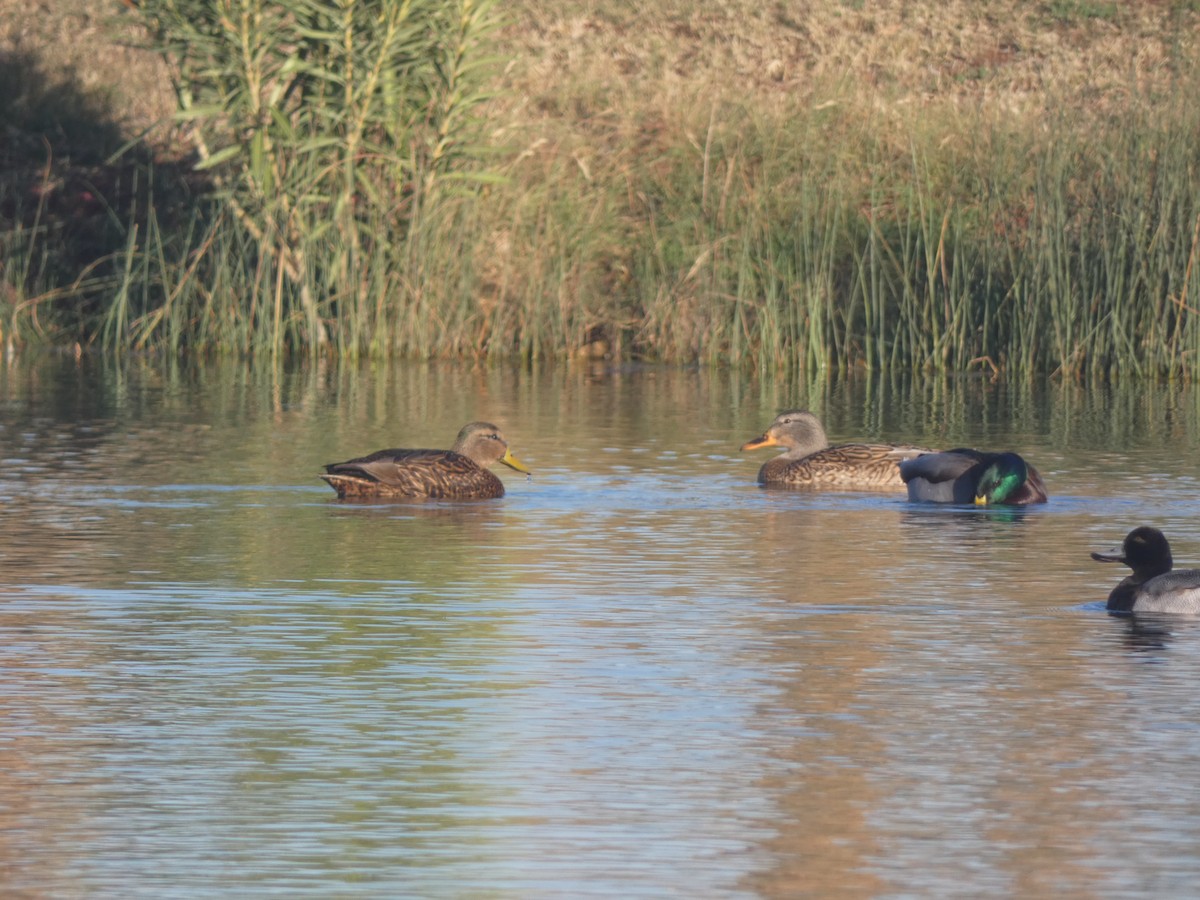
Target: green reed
[
  {"x": 329, "y": 130},
  {"x": 1075, "y": 255},
  {"x": 1083, "y": 263},
  {"x": 1111, "y": 250},
  {"x": 818, "y": 238}
]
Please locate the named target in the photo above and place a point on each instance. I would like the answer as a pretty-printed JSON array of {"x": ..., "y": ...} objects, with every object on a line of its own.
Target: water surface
[{"x": 638, "y": 674}]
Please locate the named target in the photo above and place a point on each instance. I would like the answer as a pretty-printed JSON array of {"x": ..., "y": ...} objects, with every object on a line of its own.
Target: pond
[{"x": 638, "y": 674}]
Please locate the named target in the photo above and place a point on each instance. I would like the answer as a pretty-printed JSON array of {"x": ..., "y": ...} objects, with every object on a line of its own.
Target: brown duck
[
  {"x": 810, "y": 462},
  {"x": 459, "y": 473}
]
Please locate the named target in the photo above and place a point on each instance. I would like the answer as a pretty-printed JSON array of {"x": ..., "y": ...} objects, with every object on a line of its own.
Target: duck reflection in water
[
  {"x": 1153, "y": 587},
  {"x": 972, "y": 476}
]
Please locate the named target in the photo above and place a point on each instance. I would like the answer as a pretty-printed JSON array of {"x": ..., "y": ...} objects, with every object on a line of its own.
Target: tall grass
[
  {"x": 332, "y": 132},
  {"x": 784, "y": 243},
  {"x": 826, "y": 233},
  {"x": 1073, "y": 251}
]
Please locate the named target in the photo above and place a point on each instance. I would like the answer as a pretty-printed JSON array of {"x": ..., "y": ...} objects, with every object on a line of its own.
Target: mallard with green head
[
  {"x": 808, "y": 460},
  {"x": 972, "y": 476},
  {"x": 459, "y": 473},
  {"x": 1153, "y": 587}
]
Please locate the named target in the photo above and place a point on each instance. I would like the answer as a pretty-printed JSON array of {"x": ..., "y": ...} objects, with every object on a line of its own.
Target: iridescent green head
[{"x": 1000, "y": 479}]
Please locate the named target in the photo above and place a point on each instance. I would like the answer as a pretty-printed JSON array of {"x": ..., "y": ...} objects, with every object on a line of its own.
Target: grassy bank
[{"x": 919, "y": 186}]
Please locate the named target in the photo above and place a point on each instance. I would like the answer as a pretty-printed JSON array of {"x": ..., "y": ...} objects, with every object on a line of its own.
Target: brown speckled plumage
[
  {"x": 455, "y": 474},
  {"x": 810, "y": 462}
]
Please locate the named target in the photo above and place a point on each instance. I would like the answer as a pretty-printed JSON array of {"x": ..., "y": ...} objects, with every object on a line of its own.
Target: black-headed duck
[{"x": 1153, "y": 587}]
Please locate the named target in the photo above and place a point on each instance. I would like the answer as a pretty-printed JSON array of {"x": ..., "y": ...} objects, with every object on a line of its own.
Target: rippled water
[{"x": 638, "y": 674}]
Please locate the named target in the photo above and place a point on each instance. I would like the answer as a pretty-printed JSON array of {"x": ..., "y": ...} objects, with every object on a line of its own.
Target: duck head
[
  {"x": 794, "y": 430},
  {"x": 484, "y": 443},
  {"x": 1002, "y": 477},
  {"x": 1145, "y": 550}
]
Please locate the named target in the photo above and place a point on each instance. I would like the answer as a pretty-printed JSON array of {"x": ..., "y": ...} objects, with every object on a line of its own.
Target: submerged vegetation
[{"x": 1005, "y": 186}]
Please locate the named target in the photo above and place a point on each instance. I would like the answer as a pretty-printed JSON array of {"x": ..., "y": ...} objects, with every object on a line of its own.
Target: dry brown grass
[
  {"x": 611, "y": 65},
  {"x": 92, "y": 48},
  {"x": 682, "y": 173},
  {"x": 582, "y": 66},
  {"x": 897, "y": 51}
]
